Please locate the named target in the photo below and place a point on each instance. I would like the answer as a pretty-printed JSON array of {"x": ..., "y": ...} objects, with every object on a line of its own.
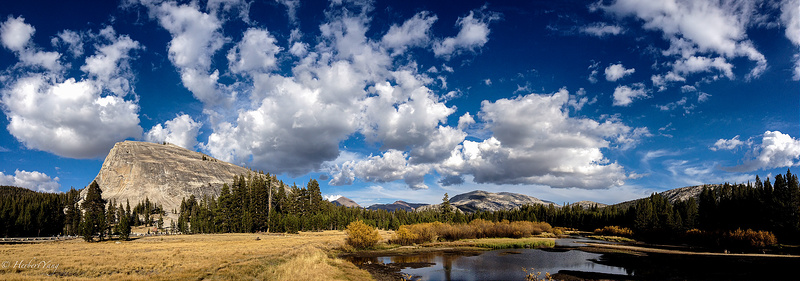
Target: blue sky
[{"x": 406, "y": 100}]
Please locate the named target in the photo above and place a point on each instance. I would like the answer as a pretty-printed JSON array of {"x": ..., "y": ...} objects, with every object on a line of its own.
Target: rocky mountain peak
[{"x": 164, "y": 173}]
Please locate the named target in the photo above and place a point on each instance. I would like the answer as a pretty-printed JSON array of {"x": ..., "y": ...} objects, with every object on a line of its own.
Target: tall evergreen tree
[
  {"x": 93, "y": 213},
  {"x": 124, "y": 226}
]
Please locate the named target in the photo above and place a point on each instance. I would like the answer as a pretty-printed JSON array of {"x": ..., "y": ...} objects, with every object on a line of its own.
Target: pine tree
[
  {"x": 94, "y": 213},
  {"x": 446, "y": 210},
  {"x": 124, "y": 226}
]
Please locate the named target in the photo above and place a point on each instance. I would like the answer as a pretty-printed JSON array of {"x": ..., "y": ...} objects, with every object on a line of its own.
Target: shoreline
[{"x": 617, "y": 248}]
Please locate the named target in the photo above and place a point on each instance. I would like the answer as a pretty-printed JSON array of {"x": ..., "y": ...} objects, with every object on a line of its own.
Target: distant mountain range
[
  {"x": 397, "y": 205},
  {"x": 469, "y": 202},
  {"x": 675, "y": 195},
  {"x": 480, "y": 200}
]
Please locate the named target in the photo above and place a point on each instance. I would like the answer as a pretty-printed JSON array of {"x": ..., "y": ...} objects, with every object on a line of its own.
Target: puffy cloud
[
  {"x": 602, "y": 29},
  {"x": 71, "y": 119},
  {"x": 409, "y": 123},
  {"x": 16, "y": 34},
  {"x": 776, "y": 150},
  {"x": 695, "y": 64},
  {"x": 723, "y": 144},
  {"x": 181, "y": 131},
  {"x": 438, "y": 147},
  {"x": 692, "y": 27},
  {"x": 196, "y": 36},
  {"x": 624, "y": 95},
  {"x": 535, "y": 141},
  {"x": 74, "y": 118},
  {"x": 473, "y": 35},
  {"x": 392, "y": 165},
  {"x": 615, "y": 72},
  {"x": 109, "y": 65},
  {"x": 415, "y": 32},
  {"x": 36, "y": 181},
  {"x": 70, "y": 39},
  {"x": 465, "y": 121},
  {"x": 255, "y": 53},
  {"x": 661, "y": 81},
  {"x": 349, "y": 84}
]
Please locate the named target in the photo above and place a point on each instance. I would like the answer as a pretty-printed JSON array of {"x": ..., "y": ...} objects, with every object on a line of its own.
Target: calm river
[
  {"x": 499, "y": 264},
  {"x": 567, "y": 260}
]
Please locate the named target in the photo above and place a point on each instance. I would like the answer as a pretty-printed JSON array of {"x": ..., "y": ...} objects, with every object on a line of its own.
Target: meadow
[{"x": 303, "y": 256}]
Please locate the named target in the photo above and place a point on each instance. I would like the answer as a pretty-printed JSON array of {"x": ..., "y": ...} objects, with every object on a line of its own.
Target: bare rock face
[{"x": 164, "y": 173}]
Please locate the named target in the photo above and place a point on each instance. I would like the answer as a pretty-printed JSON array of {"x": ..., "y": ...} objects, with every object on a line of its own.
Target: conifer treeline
[{"x": 27, "y": 213}]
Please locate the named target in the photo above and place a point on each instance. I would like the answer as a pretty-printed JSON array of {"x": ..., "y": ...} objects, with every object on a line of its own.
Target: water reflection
[{"x": 495, "y": 265}]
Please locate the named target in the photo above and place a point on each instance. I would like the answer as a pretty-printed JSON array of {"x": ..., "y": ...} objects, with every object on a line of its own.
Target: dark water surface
[
  {"x": 499, "y": 264},
  {"x": 568, "y": 261}
]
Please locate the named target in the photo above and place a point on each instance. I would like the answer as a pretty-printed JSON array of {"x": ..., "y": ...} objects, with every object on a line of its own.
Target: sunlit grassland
[{"x": 304, "y": 256}]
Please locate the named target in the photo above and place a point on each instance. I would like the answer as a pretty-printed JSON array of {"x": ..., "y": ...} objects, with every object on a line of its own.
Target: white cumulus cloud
[
  {"x": 473, "y": 35},
  {"x": 76, "y": 118},
  {"x": 535, "y": 141},
  {"x": 36, "y": 181},
  {"x": 181, "y": 131},
  {"x": 725, "y": 144},
  {"x": 625, "y": 95},
  {"x": 256, "y": 52},
  {"x": 776, "y": 150},
  {"x": 712, "y": 30},
  {"x": 615, "y": 72},
  {"x": 415, "y": 32}
]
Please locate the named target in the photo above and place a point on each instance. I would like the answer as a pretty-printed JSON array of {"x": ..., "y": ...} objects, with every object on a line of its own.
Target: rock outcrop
[{"x": 163, "y": 173}]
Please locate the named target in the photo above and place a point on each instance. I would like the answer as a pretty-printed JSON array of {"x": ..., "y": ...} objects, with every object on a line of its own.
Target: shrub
[
  {"x": 614, "y": 231},
  {"x": 428, "y": 232},
  {"x": 750, "y": 238},
  {"x": 361, "y": 235}
]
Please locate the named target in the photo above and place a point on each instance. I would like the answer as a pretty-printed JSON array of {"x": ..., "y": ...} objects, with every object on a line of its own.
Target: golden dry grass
[{"x": 304, "y": 256}]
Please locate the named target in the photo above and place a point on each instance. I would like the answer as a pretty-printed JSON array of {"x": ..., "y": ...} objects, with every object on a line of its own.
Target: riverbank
[{"x": 643, "y": 249}]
